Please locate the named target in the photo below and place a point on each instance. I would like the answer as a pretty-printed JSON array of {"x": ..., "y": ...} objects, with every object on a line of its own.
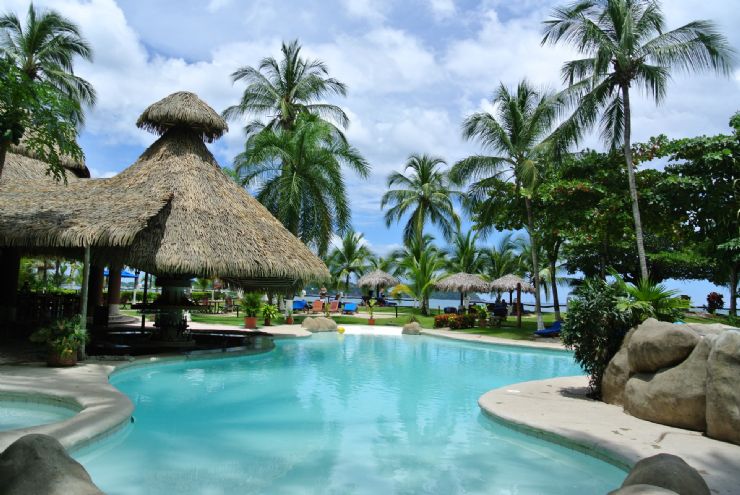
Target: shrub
[
  {"x": 715, "y": 301},
  {"x": 455, "y": 322},
  {"x": 595, "y": 327},
  {"x": 251, "y": 304}
]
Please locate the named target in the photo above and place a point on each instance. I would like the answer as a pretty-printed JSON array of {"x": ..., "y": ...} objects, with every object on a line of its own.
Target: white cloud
[
  {"x": 372, "y": 10},
  {"x": 442, "y": 9}
]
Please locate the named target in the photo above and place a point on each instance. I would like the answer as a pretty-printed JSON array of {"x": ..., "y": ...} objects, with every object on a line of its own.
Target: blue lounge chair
[
  {"x": 551, "y": 331},
  {"x": 299, "y": 306},
  {"x": 349, "y": 308}
]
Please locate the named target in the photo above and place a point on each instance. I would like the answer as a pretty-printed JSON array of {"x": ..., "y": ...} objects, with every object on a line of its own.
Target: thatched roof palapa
[
  {"x": 25, "y": 166},
  {"x": 377, "y": 278},
  {"x": 508, "y": 283},
  {"x": 77, "y": 167},
  {"x": 184, "y": 110},
  {"x": 463, "y": 282}
]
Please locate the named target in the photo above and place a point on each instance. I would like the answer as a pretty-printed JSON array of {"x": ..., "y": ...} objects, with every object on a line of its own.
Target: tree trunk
[
  {"x": 554, "y": 284},
  {"x": 3, "y": 152},
  {"x": 733, "y": 289},
  {"x": 535, "y": 265},
  {"x": 632, "y": 184}
]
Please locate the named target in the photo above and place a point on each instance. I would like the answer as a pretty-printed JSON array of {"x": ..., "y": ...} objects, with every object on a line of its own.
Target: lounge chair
[
  {"x": 299, "y": 306},
  {"x": 334, "y": 307},
  {"x": 318, "y": 306},
  {"x": 349, "y": 308},
  {"x": 551, "y": 331}
]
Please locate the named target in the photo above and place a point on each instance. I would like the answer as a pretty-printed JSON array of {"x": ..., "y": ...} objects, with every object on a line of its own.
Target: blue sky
[{"x": 414, "y": 69}]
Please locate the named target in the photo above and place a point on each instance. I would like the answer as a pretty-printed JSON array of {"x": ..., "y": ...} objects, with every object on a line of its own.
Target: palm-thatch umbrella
[
  {"x": 510, "y": 283},
  {"x": 463, "y": 282},
  {"x": 377, "y": 279}
]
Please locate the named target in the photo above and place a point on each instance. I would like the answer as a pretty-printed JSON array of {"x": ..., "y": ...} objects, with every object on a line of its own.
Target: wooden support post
[
  {"x": 85, "y": 287},
  {"x": 144, "y": 301},
  {"x": 519, "y": 305}
]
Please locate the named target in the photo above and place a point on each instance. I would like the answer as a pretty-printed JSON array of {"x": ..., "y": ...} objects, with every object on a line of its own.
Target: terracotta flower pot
[
  {"x": 268, "y": 322},
  {"x": 371, "y": 321},
  {"x": 61, "y": 359},
  {"x": 289, "y": 320},
  {"x": 250, "y": 322}
]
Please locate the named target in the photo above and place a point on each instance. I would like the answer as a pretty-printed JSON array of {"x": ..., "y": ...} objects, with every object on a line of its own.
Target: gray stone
[
  {"x": 642, "y": 490},
  {"x": 319, "y": 324},
  {"x": 616, "y": 374},
  {"x": 709, "y": 329},
  {"x": 39, "y": 464},
  {"x": 412, "y": 328},
  {"x": 669, "y": 472},
  {"x": 656, "y": 345},
  {"x": 723, "y": 388},
  {"x": 674, "y": 396}
]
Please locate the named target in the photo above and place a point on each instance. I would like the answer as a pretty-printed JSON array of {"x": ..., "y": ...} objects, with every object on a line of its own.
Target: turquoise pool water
[
  {"x": 337, "y": 415},
  {"x": 20, "y": 414}
]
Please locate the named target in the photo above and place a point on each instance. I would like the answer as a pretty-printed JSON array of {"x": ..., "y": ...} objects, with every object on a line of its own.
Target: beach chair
[
  {"x": 318, "y": 306},
  {"x": 334, "y": 307},
  {"x": 349, "y": 308},
  {"x": 551, "y": 331},
  {"x": 299, "y": 306}
]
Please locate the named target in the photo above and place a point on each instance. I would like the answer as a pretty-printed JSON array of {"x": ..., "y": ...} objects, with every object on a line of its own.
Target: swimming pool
[
  {"x": 16, "y": 414},
  {"x": 339, "y": 414}
]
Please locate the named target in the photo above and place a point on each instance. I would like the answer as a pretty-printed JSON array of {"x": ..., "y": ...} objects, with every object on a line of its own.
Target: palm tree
[
  {"x": 282, "y": 90},
  {"x": 521, "y": 131},
  {"x": 388, "y": 264},
  {"x": 350, "y": 257},
  {"x": 549, "y": 272},
  {"x": 464, "y": 255},
  {"x": 299, "y": 177},
  {"x": 424, "y": 193},
  {"x": 502, "y": 259},
  {"x": 420, "y": 264},
  {"x": 44, "y": 50},
  {"x": 625, "y": 45}
]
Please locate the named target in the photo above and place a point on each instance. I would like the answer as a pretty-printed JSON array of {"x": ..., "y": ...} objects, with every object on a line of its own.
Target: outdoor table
[{"x": 216, "y": 305}]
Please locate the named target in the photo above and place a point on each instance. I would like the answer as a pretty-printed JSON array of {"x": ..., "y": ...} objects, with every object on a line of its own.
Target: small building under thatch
[
  {"x": 510, "y": 283},
  {"x": 463, "y": 283},
  {"x": 377, "y": 279}
]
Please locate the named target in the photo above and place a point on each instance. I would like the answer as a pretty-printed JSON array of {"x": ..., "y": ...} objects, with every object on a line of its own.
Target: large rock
[
  {"x": 723, "y": 388},
  {"x": 709, "y": 328},
  {"x": 669, "y": 472},
  {"x": 319, "y": 324},
  {"x": 412, "y": 328},
  {"x": 675, "y": 396},
  {"x": 642, "y": 490},
  {"x": 616, "y": 374},
  {"x": 656, "y": 345},
  {"x": 38, "y": 464}
]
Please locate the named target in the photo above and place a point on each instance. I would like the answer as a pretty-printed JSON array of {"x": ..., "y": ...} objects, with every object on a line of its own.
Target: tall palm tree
[
  {"x": 550, "y": 272},
  {"x": 388, "y": 264},
  {"x": 299, "y": 177},
  {"x": 464, "y": 255},
  {"x": 626, "y": 45},
  {"x": 282, "y": 90},
  {"x": 502, "y": 259},
  {"x": 521, "y": 132},
  {"x": 425, "y": 193},
  {"x": 420, "y": 264},
  {"x": 44, "y": 50},
  {"x": 350, "y": 257}
]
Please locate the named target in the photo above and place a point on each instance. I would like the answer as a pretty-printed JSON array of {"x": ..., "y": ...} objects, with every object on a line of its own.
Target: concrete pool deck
[{"x": 558, "y": 410}]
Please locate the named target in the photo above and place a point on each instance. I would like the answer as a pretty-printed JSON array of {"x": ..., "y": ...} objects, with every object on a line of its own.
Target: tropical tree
[
  {"x": 420, "y": 264},
  {"x": 350, "y": 257},
  {"x": 502, "y": 259},
  {"x": 626, "y": 45},
  {"x": 464, "y": 255},
  {"x": 299, "y": 177},
  {"x": 388, "y": 264},
  {"x": 44, "y": 50},
  {"x": 520, "y": 131},
  {"x": 282, "y": 90},
  {"x": 425, "y": 193}
]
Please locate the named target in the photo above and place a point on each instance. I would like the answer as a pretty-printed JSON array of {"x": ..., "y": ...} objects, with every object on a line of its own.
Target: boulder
[
  {"x": 39, "y": 464},
  {"x": 642, "y": 490},
  {"x": 666, "y": 471},
  {"x": 616, "y": 374},
  {"x": 656, "y": 345},
  {"x": 710, "y": 328},
  {"x": 723, "y": 388},
  {"x": 309, "y": 323},
  {"x": 319, "y": 324},
  {"x": 412, "y": 328},
  {"x": 674, "y": 396}
]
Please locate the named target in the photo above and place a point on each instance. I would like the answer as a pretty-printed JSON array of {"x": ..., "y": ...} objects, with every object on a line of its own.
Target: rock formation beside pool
[
  {"x": 319, "y": 324},
  {"x": 679, "y": 375},
  {"x": 413, "y": 328},
  {"x": 39, "y": 464},
  {"x": 663, "y": 474}
]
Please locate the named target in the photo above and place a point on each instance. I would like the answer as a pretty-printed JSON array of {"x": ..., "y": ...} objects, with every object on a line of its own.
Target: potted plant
[
  {"x": 289, "y": 316},
  {"x": 251, "y": 303},
  {"x": 371, "y": 308},
  {"x": 269, "y": 313},
  {"x": 63, "y": 338},
  {"x": 482, "y": 316}
]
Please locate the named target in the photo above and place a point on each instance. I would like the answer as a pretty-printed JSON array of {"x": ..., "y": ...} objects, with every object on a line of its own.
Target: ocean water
[{"x": 339, "y": 414}]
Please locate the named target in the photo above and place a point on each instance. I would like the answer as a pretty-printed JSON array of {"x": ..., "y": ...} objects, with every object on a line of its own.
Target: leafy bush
[
  {"x": 64, "y": 336},
  {"x": 270, "y": 312},
  {"x": 649, "y": 300},
  {"x": 455, "y": 322},
  {"x": 595, "y": 327},
  {"x": 715, "y": 301},
  {"x": 251, "y": 304}
]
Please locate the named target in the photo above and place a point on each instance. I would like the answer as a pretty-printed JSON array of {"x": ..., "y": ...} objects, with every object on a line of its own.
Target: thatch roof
[
  {"x": 508, "y": 283},
  {"x": 22, "y": 164},
  {"x": 463, "y": 282},
  {"x": 377, "y": 278},
  {"x": 183, "y": 110},
  {"x": 83, "y": 213}
]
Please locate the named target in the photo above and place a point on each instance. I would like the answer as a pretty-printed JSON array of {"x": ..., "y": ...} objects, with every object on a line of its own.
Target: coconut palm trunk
[
  {"x": 554, "y": 285},
  {"x": 632, "y": 184},
  {"x": 3, "y": 153},
  {"x": 535, "y": 265}
]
